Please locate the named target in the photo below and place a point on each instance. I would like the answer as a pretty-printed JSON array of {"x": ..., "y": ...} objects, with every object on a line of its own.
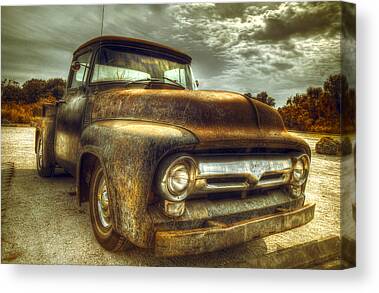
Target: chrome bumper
[{"x": 219, "y": 235}]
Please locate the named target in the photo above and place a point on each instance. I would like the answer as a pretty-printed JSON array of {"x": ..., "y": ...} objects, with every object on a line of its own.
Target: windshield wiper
[
  {"x": 137, "y": 81},
  {"x": 173, "y": 81},
  {"x": 155, "y": 79}
]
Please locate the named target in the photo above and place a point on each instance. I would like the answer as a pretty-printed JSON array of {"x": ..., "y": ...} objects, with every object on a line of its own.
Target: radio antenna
[
  {"x": 101, "y": 33},
  {"x": 102, "y": 21}
]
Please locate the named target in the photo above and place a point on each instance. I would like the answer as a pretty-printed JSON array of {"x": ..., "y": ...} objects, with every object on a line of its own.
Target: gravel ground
[{"x": 42, "y": 224}]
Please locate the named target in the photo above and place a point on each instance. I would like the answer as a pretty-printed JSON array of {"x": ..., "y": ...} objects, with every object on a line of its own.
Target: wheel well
[{"x": 87, "y": 164}]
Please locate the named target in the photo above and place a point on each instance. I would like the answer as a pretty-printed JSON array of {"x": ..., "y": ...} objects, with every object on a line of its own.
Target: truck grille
[{"x": 233, "y": 174}]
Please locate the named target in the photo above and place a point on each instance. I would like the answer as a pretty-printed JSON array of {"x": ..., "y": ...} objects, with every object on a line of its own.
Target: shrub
[{"x": 22, "y": 113}]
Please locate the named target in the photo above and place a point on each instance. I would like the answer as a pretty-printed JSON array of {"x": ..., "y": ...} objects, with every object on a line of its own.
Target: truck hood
[{"x": 209, "y": 115}]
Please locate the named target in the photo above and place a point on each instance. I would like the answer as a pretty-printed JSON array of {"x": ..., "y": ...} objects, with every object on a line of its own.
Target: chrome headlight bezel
[
  {"x": 165, "y": 178},
  {"x": 301, "y": 179}
]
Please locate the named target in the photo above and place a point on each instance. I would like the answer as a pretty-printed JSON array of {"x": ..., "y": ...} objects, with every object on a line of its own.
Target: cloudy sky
[{"x": 247, "y": 47}]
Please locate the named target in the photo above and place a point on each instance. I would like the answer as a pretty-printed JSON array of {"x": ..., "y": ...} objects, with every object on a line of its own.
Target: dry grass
[{"x": 22, "y": 113}]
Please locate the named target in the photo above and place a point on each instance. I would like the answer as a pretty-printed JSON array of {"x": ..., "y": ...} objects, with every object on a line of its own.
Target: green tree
[
  {"x": 11, "y": 91},
  {"x": 336, "y": 88},
  {"x": 327, "y": 109},
  {"x": 314, "y": 92},
  {"x": 262, "y": 97},
  {"x": 56, "y": 87},
  {"x": 34, "y": 89}
]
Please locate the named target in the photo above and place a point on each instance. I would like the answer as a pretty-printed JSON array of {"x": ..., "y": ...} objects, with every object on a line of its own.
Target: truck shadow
[{"x": 237, "y": 256}]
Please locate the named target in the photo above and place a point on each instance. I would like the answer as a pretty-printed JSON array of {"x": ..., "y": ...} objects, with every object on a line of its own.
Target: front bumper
[{"x": 219, "y": 235}]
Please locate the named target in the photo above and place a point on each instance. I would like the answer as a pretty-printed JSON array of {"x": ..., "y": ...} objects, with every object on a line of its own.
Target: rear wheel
[
  {"x": 101, "y": 214},
  {"x": 45, "y": 167}
]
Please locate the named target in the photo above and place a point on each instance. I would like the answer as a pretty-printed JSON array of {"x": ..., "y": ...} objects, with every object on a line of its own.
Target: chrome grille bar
[{"x": 255, "y": 172}]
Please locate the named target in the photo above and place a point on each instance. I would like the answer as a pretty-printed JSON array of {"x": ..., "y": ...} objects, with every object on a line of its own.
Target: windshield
[{"x": 124, "y": 64}]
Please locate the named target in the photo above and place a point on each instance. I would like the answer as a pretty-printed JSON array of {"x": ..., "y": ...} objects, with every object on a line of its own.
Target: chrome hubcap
[{"x": 103, "y": 204}]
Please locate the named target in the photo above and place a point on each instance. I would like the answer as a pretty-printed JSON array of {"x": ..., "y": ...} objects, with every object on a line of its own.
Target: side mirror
[
  {"x": 197, "y": 83},
  {"x": 75, "y": 66}
]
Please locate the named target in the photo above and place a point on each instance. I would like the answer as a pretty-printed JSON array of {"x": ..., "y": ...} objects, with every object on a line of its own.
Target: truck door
[{"x": 70, "y": 115}]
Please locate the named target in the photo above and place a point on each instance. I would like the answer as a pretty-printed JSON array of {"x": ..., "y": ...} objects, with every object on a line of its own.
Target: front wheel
[{"x": 101, "y": 215}]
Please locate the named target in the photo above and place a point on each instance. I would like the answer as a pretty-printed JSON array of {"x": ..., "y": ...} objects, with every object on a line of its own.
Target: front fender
[{"x": 130, "y": 152}]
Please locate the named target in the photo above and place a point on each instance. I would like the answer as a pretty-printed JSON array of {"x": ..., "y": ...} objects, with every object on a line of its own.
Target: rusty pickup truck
[{"x": 164, "y": 165}]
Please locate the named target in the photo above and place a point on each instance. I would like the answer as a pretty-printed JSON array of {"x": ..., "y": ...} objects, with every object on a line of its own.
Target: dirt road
[{"x": 42, "y": 224}]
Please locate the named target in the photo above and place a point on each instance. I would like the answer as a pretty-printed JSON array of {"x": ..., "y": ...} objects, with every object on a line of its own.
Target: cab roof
[{"x": 136, "y": 43}]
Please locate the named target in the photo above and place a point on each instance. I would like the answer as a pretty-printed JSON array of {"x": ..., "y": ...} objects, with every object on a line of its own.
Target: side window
[{"x": 79, "y": 77}]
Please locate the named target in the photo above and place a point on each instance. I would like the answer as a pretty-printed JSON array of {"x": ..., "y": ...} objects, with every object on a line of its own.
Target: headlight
[
  {"x": 176, "y": 178},
  {"x": 300, "y": 170}
]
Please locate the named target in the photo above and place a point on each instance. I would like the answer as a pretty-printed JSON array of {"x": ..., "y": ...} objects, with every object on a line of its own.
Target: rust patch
[{"x": 201, "y": 240}]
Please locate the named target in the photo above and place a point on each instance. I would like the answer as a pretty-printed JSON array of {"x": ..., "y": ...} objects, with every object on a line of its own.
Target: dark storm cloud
[
  {"x": 278, "y": 47},
  {"x": 38, "y": 41},
  {"x": 297, "y": 19},
  {"x": 282, "y": 65}
]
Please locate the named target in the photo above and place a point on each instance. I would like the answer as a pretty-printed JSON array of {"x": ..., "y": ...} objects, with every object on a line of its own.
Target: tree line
[
  {"x": 31, "y": 91},
  {"x": 329, "y": 109},
  {"x": 22, "y": 103}
]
